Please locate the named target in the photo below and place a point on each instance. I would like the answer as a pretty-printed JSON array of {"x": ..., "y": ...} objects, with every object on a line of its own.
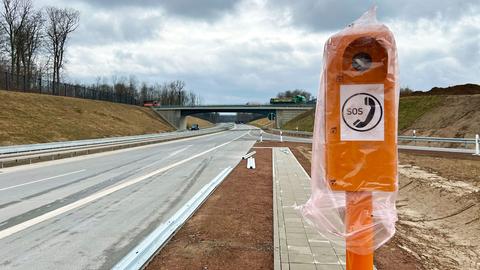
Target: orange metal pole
[{"x": 358, "y": 218}]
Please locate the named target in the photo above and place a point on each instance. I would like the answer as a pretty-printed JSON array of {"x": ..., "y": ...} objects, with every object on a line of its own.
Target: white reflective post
[
  {"x": 415, "y": 136},
  {"x": 281, "y": 137},
  {"x": 261, "y": 135},
  {"x": 251, "y": 163},
  {"x": 477, "y": 145}
]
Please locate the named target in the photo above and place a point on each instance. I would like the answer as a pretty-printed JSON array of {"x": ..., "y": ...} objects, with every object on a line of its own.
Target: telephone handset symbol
[{"x": 361, "y": 124}]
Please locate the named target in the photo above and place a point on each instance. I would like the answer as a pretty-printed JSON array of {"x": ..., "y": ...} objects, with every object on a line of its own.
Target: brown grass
[
  {"x": 32, "y": 118},
  {"x": 200, "y": 122},
  {"x": 262, "y": 122}
]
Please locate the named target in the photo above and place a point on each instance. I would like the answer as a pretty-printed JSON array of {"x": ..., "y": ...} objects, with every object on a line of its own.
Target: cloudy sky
[{"x": 231, "y": 51}]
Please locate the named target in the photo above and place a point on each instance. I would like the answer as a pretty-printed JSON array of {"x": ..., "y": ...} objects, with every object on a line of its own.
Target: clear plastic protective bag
[{"x": 354, "y": 163}]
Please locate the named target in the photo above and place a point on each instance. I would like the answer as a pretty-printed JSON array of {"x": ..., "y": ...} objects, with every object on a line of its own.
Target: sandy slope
[{"x": 34, "y": 118}]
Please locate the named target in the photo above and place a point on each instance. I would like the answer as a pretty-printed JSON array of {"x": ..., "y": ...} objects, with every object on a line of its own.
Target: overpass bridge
[{"x": 176, "y": 115}]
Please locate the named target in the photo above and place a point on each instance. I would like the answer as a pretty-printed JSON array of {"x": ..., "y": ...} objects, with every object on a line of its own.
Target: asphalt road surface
[{"x": 90, "y": 211}]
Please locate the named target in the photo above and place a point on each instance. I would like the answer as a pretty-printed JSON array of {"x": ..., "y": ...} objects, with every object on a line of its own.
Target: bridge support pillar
[
  {"x": 174, "y": 118},
  {"x": 284, "y": 116}
]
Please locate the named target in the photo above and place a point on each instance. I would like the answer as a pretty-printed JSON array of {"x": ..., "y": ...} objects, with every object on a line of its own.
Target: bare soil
[
  {"x": 456, "y": 116},
  {"x": 232, "y": 229},
  {"x": 439, "y": 211}
]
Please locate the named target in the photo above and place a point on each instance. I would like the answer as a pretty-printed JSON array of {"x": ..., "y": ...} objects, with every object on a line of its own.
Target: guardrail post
[{"x": 477, "y": 145}]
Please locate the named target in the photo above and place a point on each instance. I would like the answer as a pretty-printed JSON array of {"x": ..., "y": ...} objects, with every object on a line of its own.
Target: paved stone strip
[{"x": 297, "y": 245}]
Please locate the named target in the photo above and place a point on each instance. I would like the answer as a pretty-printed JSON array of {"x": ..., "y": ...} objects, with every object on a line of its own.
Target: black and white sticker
[{"x": 362, "y": 112}]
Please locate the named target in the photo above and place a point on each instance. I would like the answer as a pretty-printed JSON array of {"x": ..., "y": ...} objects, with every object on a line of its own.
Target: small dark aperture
[{"x": 361, "y": 61}]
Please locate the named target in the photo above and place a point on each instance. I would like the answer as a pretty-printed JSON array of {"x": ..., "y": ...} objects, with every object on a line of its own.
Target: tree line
[
  {"x": 167, "y": 93},
  {"x": 33, "y": 45},
  {"x": 296, "y": 92},
  {"x": 34, "y": 41}
]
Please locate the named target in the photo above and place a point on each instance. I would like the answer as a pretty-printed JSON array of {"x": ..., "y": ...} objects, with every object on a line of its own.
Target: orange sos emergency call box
[{"x": 361, "y": 106}]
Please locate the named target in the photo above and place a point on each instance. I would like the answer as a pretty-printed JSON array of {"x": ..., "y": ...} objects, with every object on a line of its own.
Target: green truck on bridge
[{"x": 293, "y": 100}]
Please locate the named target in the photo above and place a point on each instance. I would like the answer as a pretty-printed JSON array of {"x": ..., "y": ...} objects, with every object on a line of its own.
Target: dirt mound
[
  {"x": 463, "y": 89},
  {"x": 456, "y": 116},
  {"x": 439, "y": 211},
  {"x": 34, "y": 118}
]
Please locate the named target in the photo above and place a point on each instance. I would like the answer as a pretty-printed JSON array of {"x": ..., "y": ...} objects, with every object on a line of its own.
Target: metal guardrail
[
  {"x": 293, "y": 132},
  {"x": 31, "y": 148},
  {"x": 143, "y": 253},
  {"x": 464, "y": 141},
  {"x": 27, "y": 154},
  {"x": 437, "y": 139}
]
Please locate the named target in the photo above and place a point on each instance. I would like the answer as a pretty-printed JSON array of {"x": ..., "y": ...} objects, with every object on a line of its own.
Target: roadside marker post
[
  {"x": 251, "y": 163},
  {"x": 261, "y": 135},
  {"x": 477, "y": 145},
  {"x": 415, "y": 137},
  {"x": 281, "y": 136},
  {"x": 360, "y": 114}
]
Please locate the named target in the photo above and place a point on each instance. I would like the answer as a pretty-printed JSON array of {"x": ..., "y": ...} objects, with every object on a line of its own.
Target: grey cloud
[
  {"x": 333, "y": 14},
  {"x": 116, "y": 27},
  {"x": 205, "y": 9}
]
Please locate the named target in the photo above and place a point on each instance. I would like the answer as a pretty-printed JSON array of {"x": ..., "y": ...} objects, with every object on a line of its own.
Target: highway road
[{"x": 89, "y": 212}]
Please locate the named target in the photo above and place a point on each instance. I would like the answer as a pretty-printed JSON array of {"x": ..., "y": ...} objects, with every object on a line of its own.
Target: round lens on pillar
[{"x": 361, "y": 61}]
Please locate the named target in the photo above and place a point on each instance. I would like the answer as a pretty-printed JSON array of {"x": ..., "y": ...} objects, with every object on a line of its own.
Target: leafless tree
[
  {"x": 29, "y": 40},
  {"x": 15, "y": 16},
  {"x": 61, "y": 22}
]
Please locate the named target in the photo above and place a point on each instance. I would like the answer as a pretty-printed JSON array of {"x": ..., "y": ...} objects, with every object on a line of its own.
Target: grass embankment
[
  {"x": 32, "y": 118},
  {"x": 411, "y": 109},
  {"x": 262, "y": 122},
  {"x": 200, "y": 122},
  {"x": 304, "y": 122}
]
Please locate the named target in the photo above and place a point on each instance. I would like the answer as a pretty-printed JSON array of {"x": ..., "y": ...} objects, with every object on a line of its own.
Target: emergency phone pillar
[{"x": 361, "y": 130}]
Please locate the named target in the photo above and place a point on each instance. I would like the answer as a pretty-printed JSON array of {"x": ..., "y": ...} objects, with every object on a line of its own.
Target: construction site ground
[{"x": 438, "y": 209}]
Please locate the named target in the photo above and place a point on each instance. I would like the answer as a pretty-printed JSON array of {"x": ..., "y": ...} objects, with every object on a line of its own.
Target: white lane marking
[
  {"x": 163, "y": 159},
  {"x": 41, "y": 180},
  {"x": 29, "y": 223},
  {"x": 179, "y": 151}
]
